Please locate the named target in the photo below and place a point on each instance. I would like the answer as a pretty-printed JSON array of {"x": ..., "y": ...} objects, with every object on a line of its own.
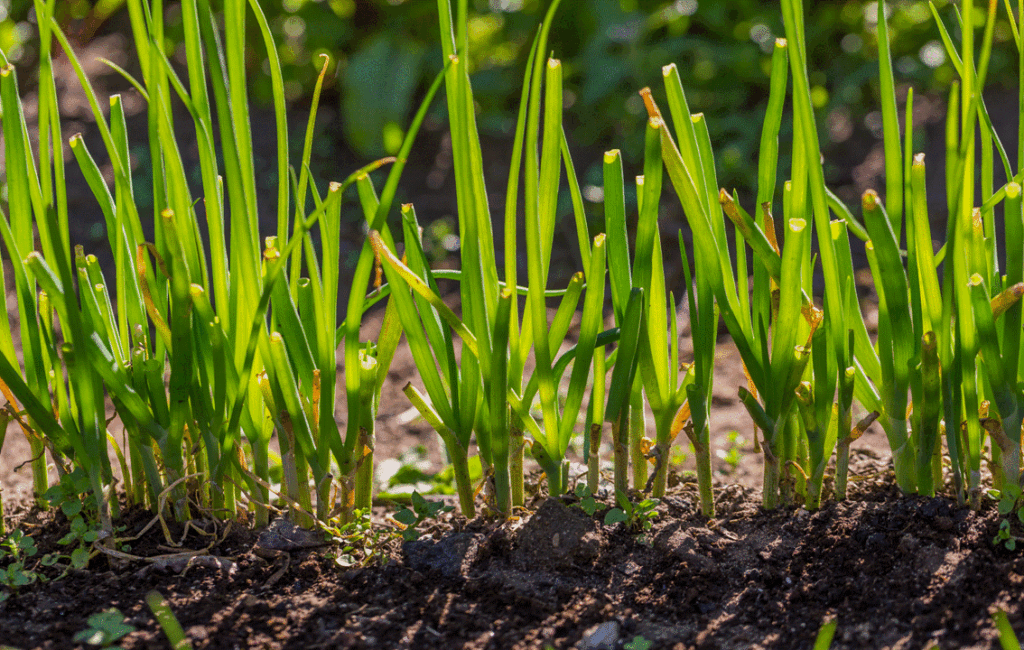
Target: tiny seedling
[
  {"x": 1010, "y": 502},
  {"x": 1005, "y": 537},
  {"x": 105, "y": 629},
  {"x": 420, "y": 511},
  {"x": 16, "y": 548},
  {"x": 734, "y": 452},
  {"x": 638, "y": 643},
  {"x": 587, "y": 503},
  {"x": 17, "y": 544},
  {"x": 638, "y": 517},
  {"x": 359, "y": 543},
  {"x": 74, "y": 499},
  {"x": 71, "y": 495},
  {"x": 1010, "y": 505},
  {"x": 83, "y": 536}
]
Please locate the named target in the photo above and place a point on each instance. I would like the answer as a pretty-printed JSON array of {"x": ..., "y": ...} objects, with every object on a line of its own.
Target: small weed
[
  {"x": 638, "y": 643},
  {"x": 74, "y": 498},
  {"x": 638, "y": 517},
  {"x": 105, "y": 629},
  {"x": 1009, "y": 506},
  {"x": 678, "y": 455},
  {"x": 359, "y": 542},
  {"x": 587, "y": 503},
  {"x": 734, "y": 452},
  {"x": 420, "y": 511},
  {"x": 16, "y": 549},
  {"x": 1010, "y": 501},
  {"x": 1005, "y": 537}
]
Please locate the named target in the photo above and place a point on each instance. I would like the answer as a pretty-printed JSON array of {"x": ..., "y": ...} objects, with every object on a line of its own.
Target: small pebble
[{"x": 600, "y": 637}]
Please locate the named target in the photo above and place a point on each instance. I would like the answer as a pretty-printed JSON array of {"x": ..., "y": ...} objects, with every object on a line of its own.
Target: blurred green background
[{"x": 385, "y": 52}]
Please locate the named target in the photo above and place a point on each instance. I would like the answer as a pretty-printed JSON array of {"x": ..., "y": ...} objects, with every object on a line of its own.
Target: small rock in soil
[
  {"x": 600, "y": 637},
  {"x": 451, "y": 557}
]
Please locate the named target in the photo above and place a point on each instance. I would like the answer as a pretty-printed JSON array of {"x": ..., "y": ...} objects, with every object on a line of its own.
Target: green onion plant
[
  {"x": 206, "y": 349},
  {"x": 210, "y": 346}
]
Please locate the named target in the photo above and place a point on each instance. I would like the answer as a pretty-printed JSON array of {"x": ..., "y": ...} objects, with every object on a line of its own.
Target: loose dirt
[{"x": 897, "y": 572}]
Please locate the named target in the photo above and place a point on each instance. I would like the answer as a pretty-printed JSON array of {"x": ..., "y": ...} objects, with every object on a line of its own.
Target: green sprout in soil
[
  {"x": 358, "y": 542},
  {"x": 16, "y": 551},
  {"x": 638, "y": 643},
  {"x": 828, "y": 630},
  {"x": 1007, "y": 637},
  {"x": 72, "y": 497},
  {"x": 587, "y": 503},
  {"x": 1005, "y": 536},
  {"x": 19, "y": 564},
  {"x": 168, "y": 622},
  {"x": 104, "y": 629},
  {"x": 734, "y": 452},
  {"x": 638, "y": 517},
  {"x": 420, "y": 511}
]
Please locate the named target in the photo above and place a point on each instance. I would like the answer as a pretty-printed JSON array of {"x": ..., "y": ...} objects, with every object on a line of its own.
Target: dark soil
[{"x": 896, "y": 572}]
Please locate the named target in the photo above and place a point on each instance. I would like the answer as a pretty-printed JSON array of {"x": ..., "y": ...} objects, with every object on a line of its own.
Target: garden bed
[
  {"x": 896, "y": 572},
  {"x": 224, "y": 372}
]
